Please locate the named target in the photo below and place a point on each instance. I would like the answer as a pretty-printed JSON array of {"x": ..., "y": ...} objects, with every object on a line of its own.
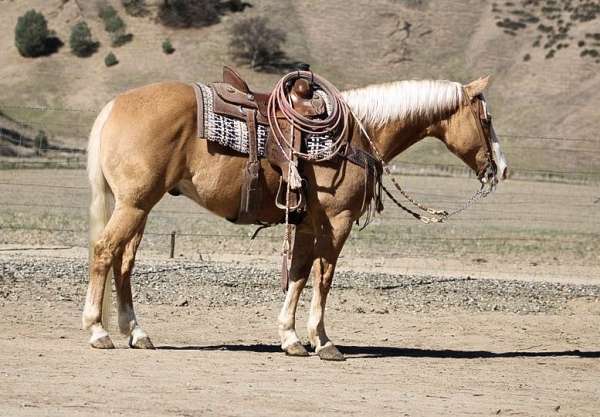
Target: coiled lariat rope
[{"x": 335, "y": 124}]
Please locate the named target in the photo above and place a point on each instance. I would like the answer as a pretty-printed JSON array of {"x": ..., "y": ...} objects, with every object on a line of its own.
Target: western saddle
[{"x": 233, "y": 98}]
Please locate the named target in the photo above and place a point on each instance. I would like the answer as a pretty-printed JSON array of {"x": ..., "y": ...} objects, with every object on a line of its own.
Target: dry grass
[
  {"x": 539, "y": 228},
  {"x": 353, "y": 44}
]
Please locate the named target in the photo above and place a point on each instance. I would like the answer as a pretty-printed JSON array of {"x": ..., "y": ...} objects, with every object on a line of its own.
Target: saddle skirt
[{"x": 232, "y": 132}]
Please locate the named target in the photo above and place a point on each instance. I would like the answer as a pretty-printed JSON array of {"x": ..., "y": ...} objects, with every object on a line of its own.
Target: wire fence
[
  {"x": 20, "y": 150},
  {"x": 507, "y": 225},
  {"x": 577, "y": 234}
]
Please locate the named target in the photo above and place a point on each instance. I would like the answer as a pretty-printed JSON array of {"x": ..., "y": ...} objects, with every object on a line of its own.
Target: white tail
[{"x": 100, "y": 205}]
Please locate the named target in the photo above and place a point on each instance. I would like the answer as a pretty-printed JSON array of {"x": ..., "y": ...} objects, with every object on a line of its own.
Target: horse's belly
[{"x": 220, "y": 191}]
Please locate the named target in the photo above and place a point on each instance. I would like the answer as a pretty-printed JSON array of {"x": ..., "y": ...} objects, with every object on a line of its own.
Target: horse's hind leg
[
  {"x": 121, "y": 228},
  {"x": 123, "y": 267},
  {"x": 327, "y": 249}
]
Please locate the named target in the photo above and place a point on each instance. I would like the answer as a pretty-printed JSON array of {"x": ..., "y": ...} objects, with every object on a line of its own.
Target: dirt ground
[
  {"x": 226, "y": 362},
  {"x": 495, "y": 313},
  {"x": 219, "y": 354}
]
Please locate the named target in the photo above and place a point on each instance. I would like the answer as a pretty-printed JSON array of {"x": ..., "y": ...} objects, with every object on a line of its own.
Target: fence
[
  {"x": 526, "y": 221},
  {"x": 558, "y": 158}
]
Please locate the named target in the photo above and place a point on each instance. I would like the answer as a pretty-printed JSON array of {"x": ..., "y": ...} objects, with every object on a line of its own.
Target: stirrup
[{"x": 283, "y": 206}]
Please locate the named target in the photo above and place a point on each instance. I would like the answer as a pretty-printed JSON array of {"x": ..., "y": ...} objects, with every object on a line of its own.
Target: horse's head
[{"x": 470, "y": 135}]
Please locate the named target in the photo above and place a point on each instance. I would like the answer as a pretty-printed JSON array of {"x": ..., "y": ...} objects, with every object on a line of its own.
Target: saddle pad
[
  {"x": 233, "y": 133},
  {"x": 226, "y": 131}
]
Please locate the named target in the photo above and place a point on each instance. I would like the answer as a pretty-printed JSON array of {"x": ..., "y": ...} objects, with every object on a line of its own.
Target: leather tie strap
[
  {"x": 251, "y": 198},
  {"x": 252, "y": 139}
]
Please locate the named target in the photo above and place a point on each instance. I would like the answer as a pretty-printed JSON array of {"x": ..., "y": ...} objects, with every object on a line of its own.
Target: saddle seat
[{"x": 234, "y": 96}]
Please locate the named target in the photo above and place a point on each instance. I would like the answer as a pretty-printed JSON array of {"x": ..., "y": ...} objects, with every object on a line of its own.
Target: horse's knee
[
  {"x": 323, "y": 275},
  {"x": 102, "y": 256}
]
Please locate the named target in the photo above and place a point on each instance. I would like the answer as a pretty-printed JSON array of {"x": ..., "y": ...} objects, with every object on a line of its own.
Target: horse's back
[{"x": 156, "y": 103}]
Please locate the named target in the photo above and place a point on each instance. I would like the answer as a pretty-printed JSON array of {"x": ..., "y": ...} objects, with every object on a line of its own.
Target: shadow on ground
[{"x": 391, "y": 352}]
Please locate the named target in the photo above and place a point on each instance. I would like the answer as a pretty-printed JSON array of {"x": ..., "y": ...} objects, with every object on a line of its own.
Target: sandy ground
[
  {"x": 226, "y": 362},
  {"x": 223, "y": 358},
  {"x": 494, "y": 313}
]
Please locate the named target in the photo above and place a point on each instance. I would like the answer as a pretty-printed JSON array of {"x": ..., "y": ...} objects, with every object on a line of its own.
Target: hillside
[{"x": 353, "y": 43}]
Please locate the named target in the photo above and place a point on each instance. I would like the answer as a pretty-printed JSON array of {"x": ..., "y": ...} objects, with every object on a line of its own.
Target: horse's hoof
[
  {"x": 103, "y": 342},
  {"x": 141, "y": 343},
  {"x": 296, "y": 350},
  {"x": 331, "y": 353}
]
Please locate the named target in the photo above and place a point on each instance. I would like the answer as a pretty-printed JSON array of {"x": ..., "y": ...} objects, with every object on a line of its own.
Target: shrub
[
  {"x": 40, "y": 143},
  {"x": 253, "y": 42},
  {"x": 32, "y": 34},
  {"x": 110, "y": 60},
  {"x": 136, "y": 8},
  {"x": 115, "y": 26},
  {"x": 237, "y": 5},
  {"x": 107, "y": 12},
  {"x": 189, "y": 13},
  {"x": 167, "y": 47},
  {"x": 81, "y": 41}
]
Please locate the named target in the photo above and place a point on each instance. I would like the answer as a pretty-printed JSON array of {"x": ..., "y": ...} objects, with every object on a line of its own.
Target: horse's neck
[
  {"x": 395, "y": 137},
  {"x": 398, "y": 114}
]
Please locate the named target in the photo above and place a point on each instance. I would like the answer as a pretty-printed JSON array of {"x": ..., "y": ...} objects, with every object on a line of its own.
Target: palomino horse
[{"x": 143, "y": 144}]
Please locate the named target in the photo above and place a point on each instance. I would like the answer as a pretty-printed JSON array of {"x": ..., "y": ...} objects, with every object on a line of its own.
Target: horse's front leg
[
  {"x": 327, "y": 249},
  {"x": 300, "y": 269}
]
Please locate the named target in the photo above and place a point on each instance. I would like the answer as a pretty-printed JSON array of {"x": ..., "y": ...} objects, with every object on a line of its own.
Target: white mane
[{"x": 379, "y": 104}]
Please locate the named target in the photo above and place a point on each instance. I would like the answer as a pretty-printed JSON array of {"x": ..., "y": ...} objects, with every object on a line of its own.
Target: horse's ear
[{"x": 474, "y": 88}]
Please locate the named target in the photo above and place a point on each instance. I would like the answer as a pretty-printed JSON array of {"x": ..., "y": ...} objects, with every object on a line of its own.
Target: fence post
[{"x": 172, "y": 244}]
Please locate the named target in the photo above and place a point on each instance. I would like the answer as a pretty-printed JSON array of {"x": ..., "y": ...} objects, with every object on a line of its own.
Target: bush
[
  {"x": 167, "y": 47},
  {"x": 253, "y": 42},
  {"x": 115, "y": 26},
  {"x": 40, "y": 143},
  {"x": 237, "y": 5},
  {"x": 135, "y": 8},
  {"x": 81, "y": 41},
  {"x": 110, "y": 60},
  {"x": 32, "y": 34},
  {"x": 189, "y": 13},
  {"x": 107, "y": 12}
]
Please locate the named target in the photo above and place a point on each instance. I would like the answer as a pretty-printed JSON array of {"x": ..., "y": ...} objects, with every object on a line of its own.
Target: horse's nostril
[{"x": 505, "y": 173}]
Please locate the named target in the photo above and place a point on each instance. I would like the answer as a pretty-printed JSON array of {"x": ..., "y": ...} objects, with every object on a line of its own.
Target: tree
[
  {"x": 32, "y": 34},
  {"x": 106, "y": 12},
  {"x": 136, "y": 8},
  {"x": 189, "y": 13},
  {"x": 115, "y": 26},
  {"x": 81, "y": 41},
  {"x": 253, "y": 42},
  {"x": 41, "y": 143},
  {"x": 110, "y": 60},
  {"x": 167, "y": 47}
]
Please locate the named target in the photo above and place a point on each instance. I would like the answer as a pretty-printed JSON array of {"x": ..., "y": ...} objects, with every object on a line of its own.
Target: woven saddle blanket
[{"x": 233, "y": 133}]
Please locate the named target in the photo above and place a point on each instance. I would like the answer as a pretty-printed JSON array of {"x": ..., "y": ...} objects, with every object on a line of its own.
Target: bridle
[
  {"x": 487, "y": 175},
  {"x": 483, "y": 121}
]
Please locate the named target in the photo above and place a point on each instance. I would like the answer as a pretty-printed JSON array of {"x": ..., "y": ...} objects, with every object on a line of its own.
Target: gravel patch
[{"x": 184, "y": 284}]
